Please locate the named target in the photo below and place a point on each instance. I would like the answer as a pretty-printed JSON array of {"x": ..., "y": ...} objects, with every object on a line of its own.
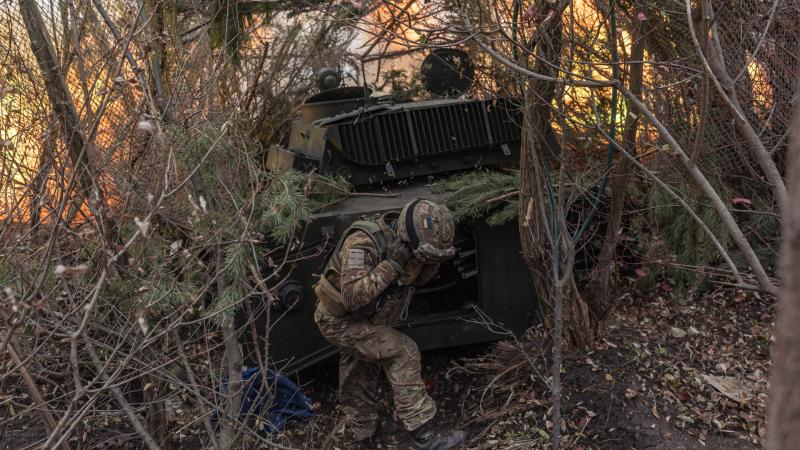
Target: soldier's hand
[{"x": 398, "y": 253}]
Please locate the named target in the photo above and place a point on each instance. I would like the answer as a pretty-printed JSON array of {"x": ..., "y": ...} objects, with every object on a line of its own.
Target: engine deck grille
[{"x": 415, "y": 133}]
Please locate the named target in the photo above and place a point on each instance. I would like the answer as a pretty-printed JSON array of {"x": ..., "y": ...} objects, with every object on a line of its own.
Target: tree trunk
[
  {"x": 599, "y": 290},
  {"x": 536, "y": 208},
  {"x": 60, "y": 98},
  {"x": 233, "y": 358},
  {"x": 718, "y": 70},
  {"x": 783, "y": 418}
]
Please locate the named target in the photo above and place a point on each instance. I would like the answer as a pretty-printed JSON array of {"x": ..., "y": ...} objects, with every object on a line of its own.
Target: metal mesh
[
  {"x": 759, "y": 40},
  {"x": 33, "y": 160},
  {"x": 759, "y": 46}
]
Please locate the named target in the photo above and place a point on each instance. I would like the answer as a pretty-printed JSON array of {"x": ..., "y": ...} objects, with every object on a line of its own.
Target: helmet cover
[{"x": 429, "y": 228}]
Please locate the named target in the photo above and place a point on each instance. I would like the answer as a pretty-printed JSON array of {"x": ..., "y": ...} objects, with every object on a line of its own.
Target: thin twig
[
  {"x": 193, "y": 386},
  {"x": 47, "y": 417},
  {"x": 133, "y": 418}
]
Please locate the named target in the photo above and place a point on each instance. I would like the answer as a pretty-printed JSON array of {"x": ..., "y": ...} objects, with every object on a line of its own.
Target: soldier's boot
[{"x": 427, "y": 437}]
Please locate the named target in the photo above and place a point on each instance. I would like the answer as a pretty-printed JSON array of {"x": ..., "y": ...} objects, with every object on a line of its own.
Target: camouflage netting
[
  {"x": 102, "y": 84},
  {"x": 205, "y": 60},
  {"x": 759, "y": 43}
]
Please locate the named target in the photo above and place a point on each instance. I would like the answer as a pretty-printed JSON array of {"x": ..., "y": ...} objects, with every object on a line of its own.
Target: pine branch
[{"x": 481, "y": 194}]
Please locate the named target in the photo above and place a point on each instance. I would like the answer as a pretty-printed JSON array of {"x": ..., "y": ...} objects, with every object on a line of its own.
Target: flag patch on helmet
[{"x": 427, "y": 223}]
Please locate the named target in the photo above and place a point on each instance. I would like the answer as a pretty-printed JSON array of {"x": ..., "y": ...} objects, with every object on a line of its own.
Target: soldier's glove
[{"x": 398, "y": 253}]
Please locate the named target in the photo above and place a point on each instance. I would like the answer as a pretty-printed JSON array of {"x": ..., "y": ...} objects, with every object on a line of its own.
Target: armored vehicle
[{"x": 396, "y": 150}]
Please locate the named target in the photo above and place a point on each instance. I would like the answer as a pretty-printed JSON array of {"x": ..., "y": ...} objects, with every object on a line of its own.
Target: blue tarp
[{"x": 288, "y": 402}]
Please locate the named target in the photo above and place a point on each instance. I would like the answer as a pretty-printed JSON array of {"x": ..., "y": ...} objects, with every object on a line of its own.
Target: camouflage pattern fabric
[
  {"x": 363, "y": 276},
  {"x": 432, "y": 225},
  {"x": 368, "y": 347}
]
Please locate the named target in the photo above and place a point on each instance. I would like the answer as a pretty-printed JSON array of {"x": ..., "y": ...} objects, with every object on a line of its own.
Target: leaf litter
[{"x": 640, "y": 387}]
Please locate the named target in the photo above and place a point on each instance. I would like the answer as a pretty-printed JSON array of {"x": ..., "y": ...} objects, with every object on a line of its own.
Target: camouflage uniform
[{"x": 369, "y": 346}]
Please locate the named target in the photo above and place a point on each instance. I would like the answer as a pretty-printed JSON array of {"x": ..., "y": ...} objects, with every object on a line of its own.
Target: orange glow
[
  {"x": 26, "y": 125},
  {"x": 763, "y": 91},
  {"x": 24, "y": 135},
  {"x": 397, "y": 21}
]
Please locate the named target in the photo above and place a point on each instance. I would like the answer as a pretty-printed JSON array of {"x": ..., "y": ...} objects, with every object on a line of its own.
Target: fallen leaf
[
  {"x": 655, "y": 411},
  {"x": 677, "y": 333},
  {"x": 741, "y": 201},
  {"x": 730, "y": 387}
]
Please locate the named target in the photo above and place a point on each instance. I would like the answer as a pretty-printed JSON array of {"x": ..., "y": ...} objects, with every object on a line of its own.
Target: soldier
[{"x": 365, "y": 288}]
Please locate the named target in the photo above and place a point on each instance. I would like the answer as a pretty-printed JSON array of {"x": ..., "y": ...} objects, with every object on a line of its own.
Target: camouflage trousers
[{"x": 366, "y": 349}]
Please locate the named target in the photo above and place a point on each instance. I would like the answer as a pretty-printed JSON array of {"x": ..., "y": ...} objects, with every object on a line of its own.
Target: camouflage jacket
[{"x": 364, "y": 277}]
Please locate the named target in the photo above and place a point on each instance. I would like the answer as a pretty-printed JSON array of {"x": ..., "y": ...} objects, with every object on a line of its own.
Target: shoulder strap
[{"x": 372, "y": 229}]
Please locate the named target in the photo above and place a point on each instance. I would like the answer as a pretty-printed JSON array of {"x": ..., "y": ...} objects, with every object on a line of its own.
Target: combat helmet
[{"x": 429, "y": 228}]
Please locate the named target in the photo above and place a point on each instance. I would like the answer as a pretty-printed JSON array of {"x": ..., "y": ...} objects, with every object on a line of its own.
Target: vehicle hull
[{"x": 482, "y": 295}]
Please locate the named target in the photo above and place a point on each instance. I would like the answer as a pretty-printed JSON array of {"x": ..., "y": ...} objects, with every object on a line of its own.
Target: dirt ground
[
  {"x": 649, "y": 384},
  {"x": 644, "y": 386}
]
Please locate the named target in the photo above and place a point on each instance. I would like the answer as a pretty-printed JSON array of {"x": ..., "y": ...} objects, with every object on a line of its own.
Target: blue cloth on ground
[{"x": 288, "y": 402}]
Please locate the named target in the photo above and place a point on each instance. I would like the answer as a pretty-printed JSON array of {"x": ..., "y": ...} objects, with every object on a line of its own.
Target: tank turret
[{"x": 344, "y": 131}]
